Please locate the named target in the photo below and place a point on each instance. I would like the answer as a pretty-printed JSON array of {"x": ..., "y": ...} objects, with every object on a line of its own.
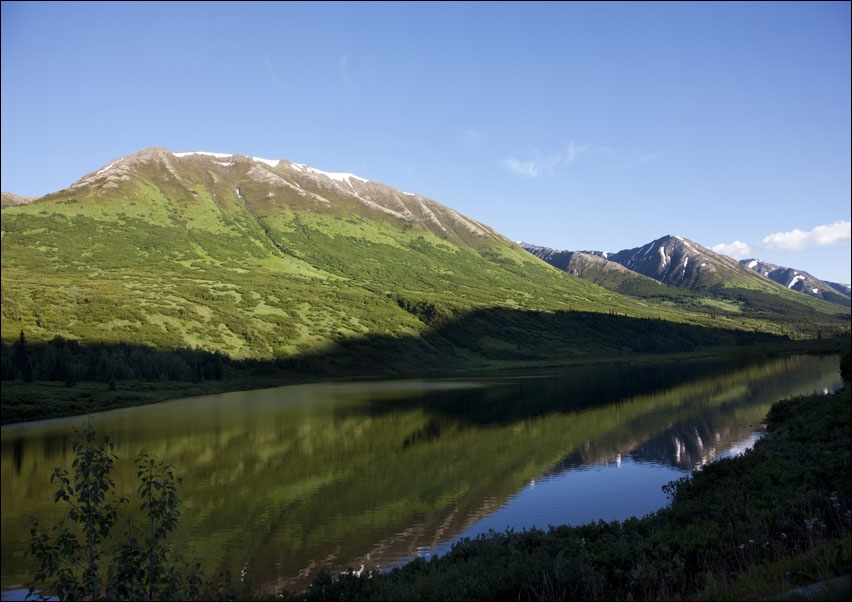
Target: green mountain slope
[{"x": 263, "y": 259}]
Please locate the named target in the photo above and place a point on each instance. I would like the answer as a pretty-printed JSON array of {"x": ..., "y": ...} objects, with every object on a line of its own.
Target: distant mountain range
[
  {"x": 799, "y": 280},
  {"x": 684, "y": 264},
  {"x": 9, "y": 199},
  {"x": 259, "y": 258}
]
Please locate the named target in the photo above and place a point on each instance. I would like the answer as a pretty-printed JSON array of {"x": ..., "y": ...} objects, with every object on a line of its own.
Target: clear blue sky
[{"x": 577, "y": 126}]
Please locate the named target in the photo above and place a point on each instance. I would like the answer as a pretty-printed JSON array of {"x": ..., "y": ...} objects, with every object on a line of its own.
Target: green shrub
[{"x": 82, "y": 561}]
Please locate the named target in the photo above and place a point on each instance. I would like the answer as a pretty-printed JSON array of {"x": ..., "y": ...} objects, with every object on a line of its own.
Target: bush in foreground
[{"x": 81, "y": 560}]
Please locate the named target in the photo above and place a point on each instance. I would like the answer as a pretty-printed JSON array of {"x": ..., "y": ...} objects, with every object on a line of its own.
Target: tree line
[{"x": 67, "y": 360}]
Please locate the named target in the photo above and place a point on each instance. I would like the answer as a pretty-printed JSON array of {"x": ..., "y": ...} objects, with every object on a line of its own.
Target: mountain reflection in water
[{"x": 282, "y": 482}]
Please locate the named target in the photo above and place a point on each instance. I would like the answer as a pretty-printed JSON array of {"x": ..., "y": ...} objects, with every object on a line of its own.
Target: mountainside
[
  {"x": 596, "y": 267},
  {"x": 694, "y": 278},
  {"x": 8, "y": 199},
  {"x": 845, "y": 289},
  {"x": 263, "y": 185},
  {"x": 801, "y": 281},
  {"x": 259, "y": 258},
  {"x": 680, "y": 262}
]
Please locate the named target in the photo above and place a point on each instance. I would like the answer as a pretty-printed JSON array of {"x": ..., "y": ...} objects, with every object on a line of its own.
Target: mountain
[
  {"x": 799, "y": 280},
  {"x": 271, "y": 259},
  {"x": 261, "y": 258},
  {"x": 683, "y": 263},
  {"x": 10, "y": 200},
  {"x": 680, "y": 262},
  {"x": 262, "y": 185},
  {"x": 596, "y": 267},
  {"x": 845, "y": 289},
  {"x": 694, "y": 277}
]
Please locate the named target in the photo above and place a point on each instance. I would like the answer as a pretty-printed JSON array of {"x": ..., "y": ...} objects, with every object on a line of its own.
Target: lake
[{"x": 281, "y": 482}]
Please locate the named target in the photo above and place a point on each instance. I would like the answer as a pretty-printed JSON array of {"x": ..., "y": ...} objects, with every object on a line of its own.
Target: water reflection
[{"x": 282, "y": 482}]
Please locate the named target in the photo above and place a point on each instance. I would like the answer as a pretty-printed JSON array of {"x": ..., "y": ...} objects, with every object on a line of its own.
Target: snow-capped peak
[
  {"x": 338, "y": 176},
  {"x": 270, "y": 162}
]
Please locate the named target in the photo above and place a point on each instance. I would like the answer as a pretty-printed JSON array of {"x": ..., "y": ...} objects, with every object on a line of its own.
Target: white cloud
[
  {"x": 536, "y": 165},
  {"x": 573, "y": 151},
  {"x": 736, "y": 249},
  {"x": 795, "y": 240}
]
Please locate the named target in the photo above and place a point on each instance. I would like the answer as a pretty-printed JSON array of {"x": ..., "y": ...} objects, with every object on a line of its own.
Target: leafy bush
[{"x": 83, "y": 562}]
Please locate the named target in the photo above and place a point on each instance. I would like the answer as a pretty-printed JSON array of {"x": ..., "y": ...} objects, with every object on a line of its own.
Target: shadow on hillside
[
  {"x": 504, "y": 337},
  {"x": 481, "y": 339}
]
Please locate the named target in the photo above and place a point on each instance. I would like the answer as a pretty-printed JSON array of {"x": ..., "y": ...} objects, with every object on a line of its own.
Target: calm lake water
[{"x": 281, "y": 482}]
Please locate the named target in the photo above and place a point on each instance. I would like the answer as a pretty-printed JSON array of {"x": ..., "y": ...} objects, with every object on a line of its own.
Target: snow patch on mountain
[
  {"x": 216, "y": 155},
  {"x": 270, "y": 162},
  {"x": 110, "y": 166},
  {"x": 664, "y": 260},
  {"x": 264, "y": 175},
  {"x": 337, "y": 176},
  {"x": 795, "y": 280}
]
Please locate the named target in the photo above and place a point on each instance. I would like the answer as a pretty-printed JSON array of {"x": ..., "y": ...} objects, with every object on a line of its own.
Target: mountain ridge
[
  {"x": 257, "y": 259},
  {"x": 673, "y": 261},
  {"x": 262, "y": 258},
  {"x": 783, "y": 275},
  {"x": 664, "y": 254},
  {"x": 798, "y": 280},
  {"x": 163, "y": 156},
  {"x": 310, "y": 183}
]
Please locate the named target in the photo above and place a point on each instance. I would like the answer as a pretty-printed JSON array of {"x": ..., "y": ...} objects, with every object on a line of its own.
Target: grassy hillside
[{"x": 259, "y": 262}]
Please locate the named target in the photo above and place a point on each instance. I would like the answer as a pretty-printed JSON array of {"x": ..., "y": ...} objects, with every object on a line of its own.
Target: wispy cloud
[
  {"x": 272, "y": 72},
  {"x": 574, "y": 151},
  {"x": 637, "y": 157},
  {"x": 795, "y": 240},
  {"x": 530, "y": 167},
  {"x": 535, "y": 164}
]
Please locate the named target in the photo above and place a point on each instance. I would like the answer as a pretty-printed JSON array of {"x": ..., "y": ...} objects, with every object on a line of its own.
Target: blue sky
[{"x": 577, "y": 126}]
